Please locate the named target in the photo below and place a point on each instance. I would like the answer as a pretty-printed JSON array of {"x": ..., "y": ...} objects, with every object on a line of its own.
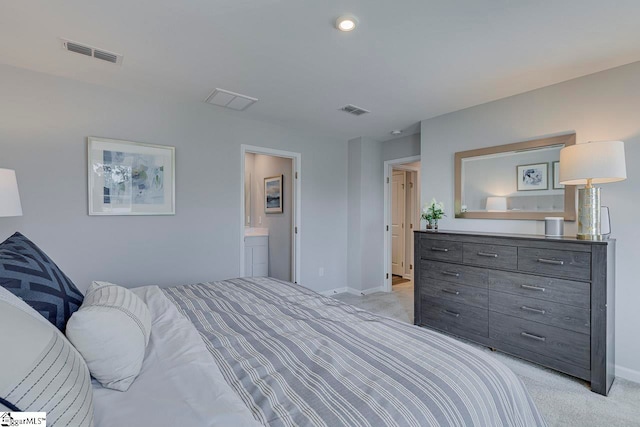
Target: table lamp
[
  {"x": 587, "y": 164},
  {"x": 9, "y": 196},
  {"x": 496, "y": 204}
]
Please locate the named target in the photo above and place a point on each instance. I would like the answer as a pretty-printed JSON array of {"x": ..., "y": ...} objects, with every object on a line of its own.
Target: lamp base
[
  {"x": 589, "y": 214},
  {"x": 594, "y": 237}
]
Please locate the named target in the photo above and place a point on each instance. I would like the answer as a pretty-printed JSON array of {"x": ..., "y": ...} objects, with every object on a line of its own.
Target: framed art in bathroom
[{"x": 273, "y": 194}]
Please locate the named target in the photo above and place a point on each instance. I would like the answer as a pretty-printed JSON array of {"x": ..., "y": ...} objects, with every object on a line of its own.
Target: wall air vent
[
  {"x": 94, "y": 52},
  {"x": 352, "y": 109},
  {"x": 228, "y": 99}
]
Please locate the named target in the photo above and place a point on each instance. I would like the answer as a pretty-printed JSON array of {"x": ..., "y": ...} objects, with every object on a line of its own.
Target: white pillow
[
  {"x": 111, "y": 330},
  {"x": 40, "y": 371}
]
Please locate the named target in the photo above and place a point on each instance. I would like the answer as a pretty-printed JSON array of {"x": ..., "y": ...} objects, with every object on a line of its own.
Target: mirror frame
[{"x": 569, "y": 213}]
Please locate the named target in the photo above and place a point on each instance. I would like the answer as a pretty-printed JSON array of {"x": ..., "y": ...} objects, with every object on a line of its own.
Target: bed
[{"x": 259, "y": 351}]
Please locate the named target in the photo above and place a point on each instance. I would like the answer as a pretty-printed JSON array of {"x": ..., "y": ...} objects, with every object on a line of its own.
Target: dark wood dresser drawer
[
  {"x": 550, "y": 313},
  {"x": 566, "y": 346},
  {"x": 547, "y": 300},
  {"x": 544, "y": 288},
  {"x": 441, "y": 250},
  {"x": 470, "y": 295},
  {"x": 570, "y": 264},
  {"x": 455, "y": 273},
  {"x": 456, "y": 318},
  {"x": 494, "y": 256}
]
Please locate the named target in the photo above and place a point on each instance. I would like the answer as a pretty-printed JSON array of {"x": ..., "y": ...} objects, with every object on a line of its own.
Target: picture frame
[
  {"x": 273, "y": 194},
  {"x": 556, "y": 176},
  {"x": 532, "y": 177},
  {"x": 130, "y": 178}
]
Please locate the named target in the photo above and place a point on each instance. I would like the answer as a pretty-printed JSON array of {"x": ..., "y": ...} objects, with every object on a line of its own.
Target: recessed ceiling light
[
  {"x": 396, "y": 132},
  {"x": 346, "y": 23}
]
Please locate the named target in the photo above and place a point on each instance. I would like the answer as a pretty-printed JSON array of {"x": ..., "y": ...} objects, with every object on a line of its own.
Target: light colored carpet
[{"x": 563, "y": 400}]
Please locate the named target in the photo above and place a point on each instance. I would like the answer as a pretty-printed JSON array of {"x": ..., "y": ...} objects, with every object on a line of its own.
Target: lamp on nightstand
[
  {"x": 9, "y": 196},
  {"x": 587, "y": 164}
]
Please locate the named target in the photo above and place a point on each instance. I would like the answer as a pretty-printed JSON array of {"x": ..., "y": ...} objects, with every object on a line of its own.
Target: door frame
[
  {"x": 414, "y": 223},
  {"x": 296, "y": 204},
  {"x": 389, "y": 165}
]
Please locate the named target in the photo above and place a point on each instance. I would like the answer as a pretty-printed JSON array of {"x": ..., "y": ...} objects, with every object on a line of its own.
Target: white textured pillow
[
  {"x": 40, "y": 371},
  {"x": 111, "y": 330}
]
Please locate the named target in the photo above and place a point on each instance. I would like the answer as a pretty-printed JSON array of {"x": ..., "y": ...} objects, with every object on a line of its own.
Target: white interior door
[{"x": 397, "y": 222}]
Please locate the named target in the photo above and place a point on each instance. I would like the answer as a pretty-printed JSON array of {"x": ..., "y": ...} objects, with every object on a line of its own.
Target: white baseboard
[
  {"x": 352, "y": 291},
  {"x": 627, "y": 374},
  {"x": 334, "y": 291},
  {"x": 371, "y": 290}
]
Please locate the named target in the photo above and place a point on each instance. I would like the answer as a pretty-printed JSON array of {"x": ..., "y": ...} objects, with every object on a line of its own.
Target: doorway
[
  {"x": 398, "y": 209},
  {"x": 270, "y": 213},
  {"x": 402, "y": 216}
]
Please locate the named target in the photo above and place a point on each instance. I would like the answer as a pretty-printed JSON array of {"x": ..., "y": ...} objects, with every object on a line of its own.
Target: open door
[{"x": 397, "y": 222}]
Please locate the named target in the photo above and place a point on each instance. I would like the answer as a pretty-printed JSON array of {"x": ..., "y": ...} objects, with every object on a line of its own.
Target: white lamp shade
[
  {"x": 495, "y": 203},
  {"x": 9, "y": 196},
  {"x": 602, "y": 162}
]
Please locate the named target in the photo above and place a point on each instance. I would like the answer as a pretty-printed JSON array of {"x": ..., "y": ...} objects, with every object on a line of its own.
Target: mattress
[
  {"x": 179, "y": 384},
  {"x": 297, "y": 358}
]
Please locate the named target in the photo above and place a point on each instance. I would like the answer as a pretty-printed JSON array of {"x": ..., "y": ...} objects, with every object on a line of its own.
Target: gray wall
[
  {"x": 399, "y": 148},
  {"x": 598, "y": 107},
  {"x": 44, "y": 123},
  {"x": 366, "y": 214},
  {"x": 354, "y": 244},
  {"x": 279, "y": 224},
  {"x": 366, "y": 159},
  {"x": 372, "y": 214}
]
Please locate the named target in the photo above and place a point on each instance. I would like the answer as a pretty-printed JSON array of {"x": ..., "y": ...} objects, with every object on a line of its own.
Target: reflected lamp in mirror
[
  {"x": 9, "y": 196},
  {"x": 496, "y": 204},
  {"x": 587, "y": 164}
]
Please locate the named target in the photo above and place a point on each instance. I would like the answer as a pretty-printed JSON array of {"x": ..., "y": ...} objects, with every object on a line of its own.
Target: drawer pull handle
[
  {"x": 551, "y": 261},
  {"x": 488, "y": 254},
  {"x": 451, "y": 313},
  {"x": 451, "y": 273},
  {"x": 450, "y": 291},
  {"x": 533, "y": 288},
  {"x": 436, "y": 249},
  {"x": 533, "y": 310},
  {"x": 533, "y": 337}
]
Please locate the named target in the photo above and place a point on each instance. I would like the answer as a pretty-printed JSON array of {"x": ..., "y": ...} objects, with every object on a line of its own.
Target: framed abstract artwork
[
  {"x": 273, "y": 194},
  {"x": 533, "y": 177},
  {"x": 130, "y": 178}
]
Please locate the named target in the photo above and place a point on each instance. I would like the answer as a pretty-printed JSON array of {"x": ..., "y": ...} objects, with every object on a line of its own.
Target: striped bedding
[{"x": 300, "y": 359}]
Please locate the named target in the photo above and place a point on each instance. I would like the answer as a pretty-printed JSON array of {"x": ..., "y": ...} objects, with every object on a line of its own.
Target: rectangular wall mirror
[{"x": 514, "y": 181}]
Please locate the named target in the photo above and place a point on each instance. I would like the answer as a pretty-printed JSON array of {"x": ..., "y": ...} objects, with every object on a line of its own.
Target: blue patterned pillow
[{"x": 31, "y": 275}]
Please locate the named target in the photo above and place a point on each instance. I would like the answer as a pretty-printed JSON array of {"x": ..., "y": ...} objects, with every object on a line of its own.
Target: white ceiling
[{"x": 407, "y": 61}]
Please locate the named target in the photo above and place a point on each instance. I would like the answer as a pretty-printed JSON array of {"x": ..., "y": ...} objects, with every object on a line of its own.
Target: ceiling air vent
[
  {"x": 95, "y": 52},
  {"x": 232, "y": 100},
  {"x": 352, "y": 109},
  {"x": 105, "y": 56},
  {"x": 79, "y": 49}
]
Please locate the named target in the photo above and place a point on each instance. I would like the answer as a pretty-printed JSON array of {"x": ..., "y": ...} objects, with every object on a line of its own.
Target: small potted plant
[{"x": 432, "y": 212}]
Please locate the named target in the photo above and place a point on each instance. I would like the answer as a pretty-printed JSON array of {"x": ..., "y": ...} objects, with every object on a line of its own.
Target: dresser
[{"x": 546, "y": 300}]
